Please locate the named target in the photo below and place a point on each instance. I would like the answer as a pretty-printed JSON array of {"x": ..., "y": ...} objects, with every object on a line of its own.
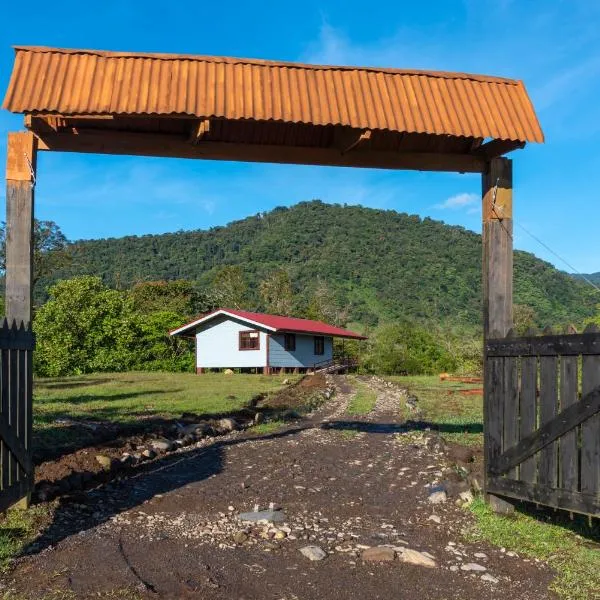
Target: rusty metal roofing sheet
[{"x": 78, "y": 82}]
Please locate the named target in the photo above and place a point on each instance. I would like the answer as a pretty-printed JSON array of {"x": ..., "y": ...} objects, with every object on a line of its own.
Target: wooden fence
[
  {"x": 542, "y": 419},
  {"x": 16, "y": 465}
]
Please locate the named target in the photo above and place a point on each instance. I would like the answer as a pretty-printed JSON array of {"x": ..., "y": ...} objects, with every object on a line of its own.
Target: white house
[{"x": 239, "y": 339}]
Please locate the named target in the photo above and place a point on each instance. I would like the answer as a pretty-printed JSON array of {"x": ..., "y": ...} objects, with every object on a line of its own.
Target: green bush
[{"x": 406, "y": 349}]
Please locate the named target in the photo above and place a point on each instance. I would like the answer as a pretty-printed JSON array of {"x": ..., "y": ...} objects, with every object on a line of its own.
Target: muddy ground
[{"x": 170, "y": 529}]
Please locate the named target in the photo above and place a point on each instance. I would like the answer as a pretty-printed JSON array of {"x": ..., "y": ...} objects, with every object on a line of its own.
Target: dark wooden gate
[
  {"x": 542, "y": 419},
  {"x": 16, "y": 466}
]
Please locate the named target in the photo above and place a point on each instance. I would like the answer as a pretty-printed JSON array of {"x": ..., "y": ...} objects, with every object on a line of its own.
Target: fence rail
[
  {"x": 16, "y": 467},
  {"x": 542, "y": 419}
]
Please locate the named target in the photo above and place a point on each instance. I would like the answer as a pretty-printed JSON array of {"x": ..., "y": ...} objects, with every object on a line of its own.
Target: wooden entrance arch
[{"x": 249, "y": 110}]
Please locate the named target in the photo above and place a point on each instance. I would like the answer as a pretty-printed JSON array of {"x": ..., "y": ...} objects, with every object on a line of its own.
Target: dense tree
[
  {"x": 86, "y": 327},
  {"x": 229, "y": 287},
  {"x": 384, "y": 265},
  {"x": 276, "y": 293},
  {"x": 324, "y": 306},
  {"x": 50, "y": 249},
  {"x": 407, "y": 349}
]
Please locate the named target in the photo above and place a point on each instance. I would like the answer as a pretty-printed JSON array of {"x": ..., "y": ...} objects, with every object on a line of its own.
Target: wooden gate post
[
  {"x": 497, "y": 296},
  {"x": 20, "y": 181}
]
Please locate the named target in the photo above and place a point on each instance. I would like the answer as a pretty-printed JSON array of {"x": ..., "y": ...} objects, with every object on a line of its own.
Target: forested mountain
[
  {"x": 593, "y": 277},
  {"x": 382, "y": 265}
]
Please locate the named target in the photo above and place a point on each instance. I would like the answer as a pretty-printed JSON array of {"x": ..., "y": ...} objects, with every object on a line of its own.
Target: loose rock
[
  {"x": 313, "y": 553},
  {"x": 378, "y": 554},
  {"x": 274, "y": 516},
  {"x": 104, "y": 461},
  {"x": 414, "y": 557},
  {"x": 162, "y": 445},
  {"x": 473, "y": 567},
  {"x": 489, "y": 578}
]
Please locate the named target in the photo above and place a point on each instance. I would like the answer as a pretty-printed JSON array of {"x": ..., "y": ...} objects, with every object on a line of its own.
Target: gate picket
[
  {"x": 529, "y": 409},
  {"x": 590, "y": 430},
  {"x": 547, "y": 474},
  {"x": 569, "y": 460}
]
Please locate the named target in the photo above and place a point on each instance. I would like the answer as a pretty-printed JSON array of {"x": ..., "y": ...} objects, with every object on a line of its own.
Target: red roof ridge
[{"x": 277, "y": 323}]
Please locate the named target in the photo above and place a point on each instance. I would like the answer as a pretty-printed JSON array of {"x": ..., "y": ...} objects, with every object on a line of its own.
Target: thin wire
[{"x": 583, "y": 277}]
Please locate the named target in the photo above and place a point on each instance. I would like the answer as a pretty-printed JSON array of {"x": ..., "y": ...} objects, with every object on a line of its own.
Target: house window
[
  {"x": 249, "y": 340},
  {"x": 289, "y": 341},
  {"x": 319, "y": 345}
]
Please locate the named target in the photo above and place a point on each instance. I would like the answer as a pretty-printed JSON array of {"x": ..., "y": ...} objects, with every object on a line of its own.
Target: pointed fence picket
[{"x": 16, "y": 466}]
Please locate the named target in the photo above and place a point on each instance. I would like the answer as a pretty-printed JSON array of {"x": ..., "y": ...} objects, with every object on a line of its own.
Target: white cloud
[{"x": 459, "y": 201}]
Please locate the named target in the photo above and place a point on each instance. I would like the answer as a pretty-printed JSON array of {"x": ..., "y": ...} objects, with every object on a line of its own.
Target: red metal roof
[{"x": 277, "y": 323}]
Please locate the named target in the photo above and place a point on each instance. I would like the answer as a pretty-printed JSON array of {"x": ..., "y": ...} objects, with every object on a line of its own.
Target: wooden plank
[
  {"x": 496, "y": 148},
  {"x": 13, "y": 403},
  {"x": 511, "y": 408},
  {"x": 569, "y": 418},
  {"x": 568, "y": 450},
  {"x": 21, "y": 431},
  {"x": 590, "y": 430},
  {"x": 528, "y": 410},
  {"x": 547, "y": 466},
  {"x": 20, "y": 177},
  {"x": 4, "y": 411},
  {"x": 178, "y": 146},
  {"x": 492, "y": 431},
  {"x": 584, "y": 503},
  {"x": 547, "y": 345},
  {"x": 15, "y": 446}
]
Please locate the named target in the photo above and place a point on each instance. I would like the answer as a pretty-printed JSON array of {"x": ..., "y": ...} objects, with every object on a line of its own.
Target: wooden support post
[
  {"x": 497, "y": 297},
  {"x": 20, "y": 181},
  {"x": 266, "y": 370},
  {"x": 199, "y": 370}
]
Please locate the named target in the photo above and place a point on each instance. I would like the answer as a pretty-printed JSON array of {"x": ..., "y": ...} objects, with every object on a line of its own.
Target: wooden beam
[
  {"x": 579, "y": 502},
  {"x": 497, "y": 274},
  {"x": 497, "y": 248},
  {"x": 20, "y": 181},
  {"x": 143, "y": 144},
  {"x": 200, "y": 130},
  {"x": 496, "y": 148},
  {"x": 547, "y": 345}
]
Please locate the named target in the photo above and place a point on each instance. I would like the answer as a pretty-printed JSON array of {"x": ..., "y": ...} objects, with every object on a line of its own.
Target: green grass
[
  {"x": 575, "y": 559},
  {"x": 459, "y": 418},
  {"x": 130, "y": 398},
  {"x": 267, "y": 427},
  {"x": 17, "y": 529},
  {"x": 363, "y": 401}
]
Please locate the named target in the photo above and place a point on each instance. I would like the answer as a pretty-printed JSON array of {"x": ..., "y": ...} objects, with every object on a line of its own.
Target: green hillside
[{"x": 383, "y": 265}]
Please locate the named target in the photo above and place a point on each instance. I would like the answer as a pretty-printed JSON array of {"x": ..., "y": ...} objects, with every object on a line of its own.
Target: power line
[{"x": 537, "y": 239}]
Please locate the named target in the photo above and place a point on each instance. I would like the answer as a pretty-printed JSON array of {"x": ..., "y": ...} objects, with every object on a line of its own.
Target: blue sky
[{"x": 553, "y": 46}]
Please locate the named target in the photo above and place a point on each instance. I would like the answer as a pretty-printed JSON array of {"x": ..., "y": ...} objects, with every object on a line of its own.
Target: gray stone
[
  {"x": 162, "y": 445},
  {"x": 104, "y": 461},
  {"x": 500, "y": 506},
  {"x": 378, "y": 554},
  {"x": 273, "y": 516},
  {"x": 489, "y": 578},
  {"x": 197, "y": 429},
  {"x": 148, "y": 453},
  {"x": 414, "y": 557},
  {"x": 239, "y": 537},
  {"x": 437, "y": 495},
  {"x": 227, "y": 424},
  {"x": 466, "y": 497},
  {"x": 313, "y": 553},
  {"x": 435, "y": 519},
  {"x": 473, "y": 567},
  {"x": 258, "y": 418}
]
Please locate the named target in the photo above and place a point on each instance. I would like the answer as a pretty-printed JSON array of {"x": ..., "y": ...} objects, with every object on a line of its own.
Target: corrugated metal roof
[
  {"x": 277, "y": 323},
  {"x": 78, "y": 82}
]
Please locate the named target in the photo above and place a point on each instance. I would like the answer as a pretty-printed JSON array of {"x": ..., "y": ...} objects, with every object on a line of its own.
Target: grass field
[
  {"x": 457, "y": 416},
  {"x": 131, "y": 399}
]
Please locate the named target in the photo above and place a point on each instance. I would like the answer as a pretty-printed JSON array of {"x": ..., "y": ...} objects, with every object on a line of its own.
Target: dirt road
[{"x": 344, "y": 484}]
